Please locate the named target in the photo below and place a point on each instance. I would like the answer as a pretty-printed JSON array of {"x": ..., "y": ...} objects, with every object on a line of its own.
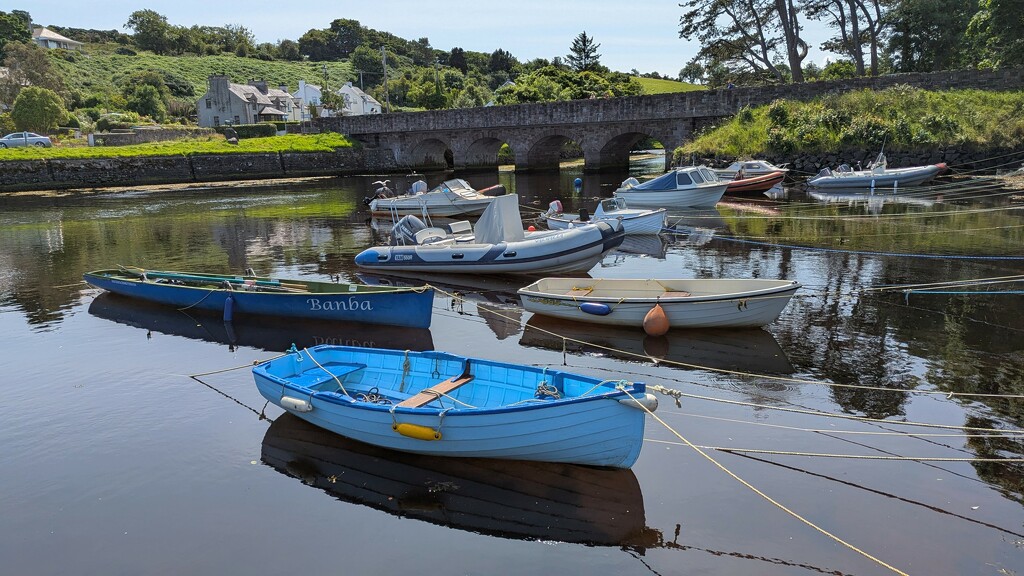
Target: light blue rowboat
[
  {"x": 447, "y": 405},
  {"x": 259, "y": 296}
]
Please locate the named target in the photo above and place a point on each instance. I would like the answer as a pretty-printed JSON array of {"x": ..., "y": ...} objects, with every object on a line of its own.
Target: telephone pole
[{"x": 384, "y": 61}]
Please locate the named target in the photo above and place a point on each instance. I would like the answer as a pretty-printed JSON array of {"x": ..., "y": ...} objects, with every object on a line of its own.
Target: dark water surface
[{"x": 114, "y": 461}]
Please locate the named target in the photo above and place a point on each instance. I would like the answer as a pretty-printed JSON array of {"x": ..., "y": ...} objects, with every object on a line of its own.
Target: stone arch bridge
[{"x": 605, "y": 128}]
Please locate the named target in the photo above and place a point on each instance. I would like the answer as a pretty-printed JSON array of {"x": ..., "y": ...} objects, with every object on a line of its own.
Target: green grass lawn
[
  {"x": 327, "y": 142},
  {"x": 659, "y": 86}
]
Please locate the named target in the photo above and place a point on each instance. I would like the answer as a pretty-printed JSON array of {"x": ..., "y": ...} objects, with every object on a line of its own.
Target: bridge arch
[
  {"x": 429, "y": 154},
  {"x": 480, "y": 153},
  {"x": 544, "y": 151}
]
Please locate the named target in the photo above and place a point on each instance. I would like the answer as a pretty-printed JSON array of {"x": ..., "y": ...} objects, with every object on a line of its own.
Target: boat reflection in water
[
  {"x": 269, "y": 334},
  {"x": 874, "y": 202},
  {"x": 506, "y": 498},
  {"x": 747, "y": 350}
]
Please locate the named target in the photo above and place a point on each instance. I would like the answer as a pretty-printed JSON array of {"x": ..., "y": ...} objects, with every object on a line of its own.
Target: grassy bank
[
  {"x": 213, "y": 145},
  {"x": 901, "y": 117}
]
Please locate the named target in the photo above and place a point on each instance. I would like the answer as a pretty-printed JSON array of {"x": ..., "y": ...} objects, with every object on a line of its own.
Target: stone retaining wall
[{"x": 64, "y": 173}]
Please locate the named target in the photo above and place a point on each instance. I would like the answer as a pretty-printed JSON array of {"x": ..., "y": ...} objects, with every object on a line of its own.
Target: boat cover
[
  {"x": 500, "y": 222},
  {"x": 666, "y": 181}
]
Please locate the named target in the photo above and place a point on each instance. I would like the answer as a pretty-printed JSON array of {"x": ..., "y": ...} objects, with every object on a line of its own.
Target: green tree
[
  {"x": 146, "y": 101},
  {"x": 38, "y": 110},
  {"x": 996, "y": 28},
  {"x": 501, "y": 61},
  {"x": 28, "y": 65},
  {"x": 346, "y": 35},
  {"x": 368, "y": 61},
  {"x": 13, "y": 29},
  {"x": 930, "y": 35},
  {"x": 288, "y": 50},
  {"x": 316, "y": 44},
  {"x": 583, "y": 53},
  {"x": 457, "y": 60},
  {"x": 151, "y": 30}
]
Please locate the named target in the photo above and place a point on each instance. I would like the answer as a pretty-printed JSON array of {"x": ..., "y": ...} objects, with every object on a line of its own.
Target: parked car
[{"x": 16, "y": 139}]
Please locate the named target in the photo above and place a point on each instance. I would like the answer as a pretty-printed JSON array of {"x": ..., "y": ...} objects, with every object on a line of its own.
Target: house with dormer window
[{"x": 228, "y": 104}]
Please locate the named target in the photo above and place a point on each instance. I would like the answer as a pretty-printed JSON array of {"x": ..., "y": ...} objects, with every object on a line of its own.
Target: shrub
[
  {"x": 778, "y": 113},
  {"x": 125, "y": 51},
  {"x": 261, "y": 130},
  {"x": 779, "y": 141},
  {"x": 866, "y": 130},
  {"x": 746, "y": 115}
]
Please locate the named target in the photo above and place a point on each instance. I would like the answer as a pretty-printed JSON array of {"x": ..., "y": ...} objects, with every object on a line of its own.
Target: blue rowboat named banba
[
  {"x": 441, "y": 404},
  {"x": 251, "y": 295}
]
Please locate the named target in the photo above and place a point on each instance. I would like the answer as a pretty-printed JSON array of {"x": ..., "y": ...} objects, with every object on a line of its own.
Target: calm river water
[{"x": 114, "y": 461}]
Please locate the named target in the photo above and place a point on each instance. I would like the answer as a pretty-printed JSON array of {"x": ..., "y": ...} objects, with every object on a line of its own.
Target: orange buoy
[
  {"x": 656, "y": 321},
  {"x": 531, "y": 228}
]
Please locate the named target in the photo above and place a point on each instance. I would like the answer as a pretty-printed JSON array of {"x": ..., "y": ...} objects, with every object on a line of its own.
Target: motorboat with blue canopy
[{"x": 686, "y": 187}]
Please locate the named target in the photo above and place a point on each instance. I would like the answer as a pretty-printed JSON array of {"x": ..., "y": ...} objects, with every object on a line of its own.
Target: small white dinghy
[
  {"x": 687, "y": 303},
  {"x": 450, "y": 198},
  {"x": 633, "y": 220}
]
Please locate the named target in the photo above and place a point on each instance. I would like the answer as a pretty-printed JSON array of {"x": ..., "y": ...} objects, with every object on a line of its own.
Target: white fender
[
  {"x": 648, "y": 401},
  {"x": 296, "y": 404}
]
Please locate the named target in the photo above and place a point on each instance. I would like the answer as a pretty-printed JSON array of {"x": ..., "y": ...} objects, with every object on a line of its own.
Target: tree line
[{"x": 762, "y": 41}]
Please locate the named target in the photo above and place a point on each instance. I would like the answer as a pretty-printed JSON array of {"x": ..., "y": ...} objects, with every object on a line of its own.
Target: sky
[{"x": 637, "y": 34}]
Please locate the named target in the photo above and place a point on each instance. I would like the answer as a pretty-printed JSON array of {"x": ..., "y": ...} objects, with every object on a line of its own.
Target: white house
[
  {"x": 357, "y": 102},
  {"x": 306, "y": 95},
  {"x": 49, "y": 39}
]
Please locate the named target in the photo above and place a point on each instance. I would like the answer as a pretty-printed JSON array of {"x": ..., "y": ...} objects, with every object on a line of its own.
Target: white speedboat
[
  {"x": 496, "y": 245},
  {"x": 749, "y": 168},
  {"x": 687, "y": 303},
  {"x": 450, "y": 198},
  {"x": 688, "y": 187},
  {"x": 878, "y": 175},
  {"x": 633, "y": 220}
]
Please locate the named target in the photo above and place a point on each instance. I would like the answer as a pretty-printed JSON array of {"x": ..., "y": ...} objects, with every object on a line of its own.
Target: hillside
[{"x": 98, "y": 69}]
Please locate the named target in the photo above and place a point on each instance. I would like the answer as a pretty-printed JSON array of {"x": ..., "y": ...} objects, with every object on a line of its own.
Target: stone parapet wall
[{"x": 696, "y": 104}]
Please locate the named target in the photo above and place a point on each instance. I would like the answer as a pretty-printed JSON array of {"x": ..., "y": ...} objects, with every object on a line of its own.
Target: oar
[{"x": 211, "y": 278}]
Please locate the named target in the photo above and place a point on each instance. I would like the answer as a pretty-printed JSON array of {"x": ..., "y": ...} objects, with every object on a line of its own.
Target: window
[
  {"x": 697, "y": 178},
  {"x": 708, "y": 175},
  {"x": 209, "y": 104},
  {"x": 683, "y": 179},
  {"x": 216, "y": 120}
]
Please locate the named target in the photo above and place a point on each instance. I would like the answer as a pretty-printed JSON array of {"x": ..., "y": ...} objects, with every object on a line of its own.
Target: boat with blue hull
[
  {"x": 252, "y": 295},
  {"x": 442, "y": 404},
  {"x": 496, "y": 244}
]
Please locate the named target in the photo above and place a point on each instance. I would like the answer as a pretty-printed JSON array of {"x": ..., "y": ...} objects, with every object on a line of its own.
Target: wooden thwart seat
[
  {"x": 675, "y": 294},
  {"x": 427, "y": 395}
]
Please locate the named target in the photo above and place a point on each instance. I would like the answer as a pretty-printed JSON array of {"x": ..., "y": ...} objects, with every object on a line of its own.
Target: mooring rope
[
  {"x": 784, "y": 379},
  {"x": 841, "y": 456},
  {"x": 771, "y": 500}
]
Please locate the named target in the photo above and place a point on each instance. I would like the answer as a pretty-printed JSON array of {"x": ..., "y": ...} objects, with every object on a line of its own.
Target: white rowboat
[{"x": 688, "y": 303}]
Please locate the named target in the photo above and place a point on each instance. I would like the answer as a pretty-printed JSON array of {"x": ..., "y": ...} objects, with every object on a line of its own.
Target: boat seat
[
  {"x": 460, "y": 227},
  {"x": 428, "y": 395},
  {"x": 580, "y": 291},
  {"x": 676, "y": 294},
  {"x": 430, "y": 235}
]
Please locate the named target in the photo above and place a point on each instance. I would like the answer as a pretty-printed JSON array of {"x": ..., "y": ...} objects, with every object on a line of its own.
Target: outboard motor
[
  {"x": 404, "y": 232},
  {"x": 382, "y": 192},
  {"x": 554, "y": 208},
  {"x": 418, "y": 187},
  {"x": 584, "y": 215}
]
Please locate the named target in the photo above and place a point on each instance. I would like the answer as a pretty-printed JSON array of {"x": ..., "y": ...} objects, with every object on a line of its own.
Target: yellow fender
[{"x": 416, "y": 431}]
